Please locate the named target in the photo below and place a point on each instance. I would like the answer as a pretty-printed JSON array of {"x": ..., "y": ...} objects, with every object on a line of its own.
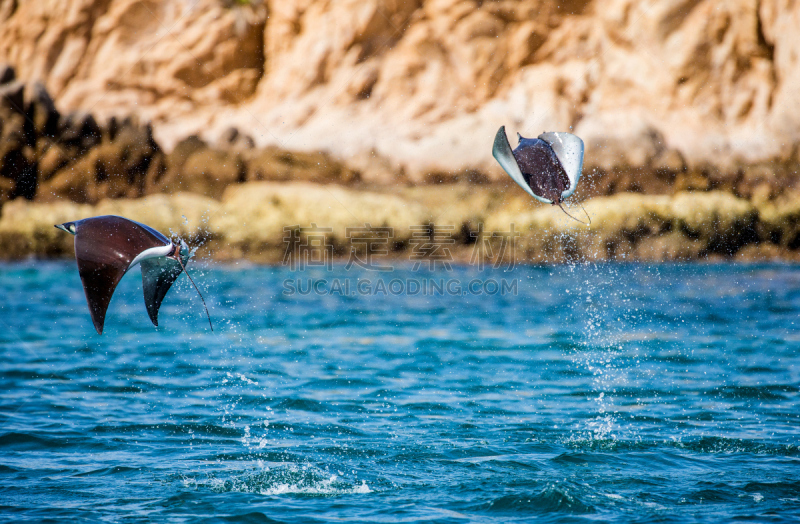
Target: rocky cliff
[
  {"x": 48, "y": 155},
  {"x": 668, "y": 94}
]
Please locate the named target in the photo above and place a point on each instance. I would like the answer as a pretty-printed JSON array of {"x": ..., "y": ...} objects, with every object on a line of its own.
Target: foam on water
[{"x": 283, "y": 479}]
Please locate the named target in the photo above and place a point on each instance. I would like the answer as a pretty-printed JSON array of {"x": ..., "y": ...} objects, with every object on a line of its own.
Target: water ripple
[{"x": 597, "y": 393}]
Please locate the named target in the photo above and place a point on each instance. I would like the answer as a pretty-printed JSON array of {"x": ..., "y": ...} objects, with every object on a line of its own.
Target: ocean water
[{"x": 587, "y": 393}]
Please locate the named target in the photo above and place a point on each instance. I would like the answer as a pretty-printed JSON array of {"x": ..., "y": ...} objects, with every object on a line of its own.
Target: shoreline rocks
[
  {"x": 244, "y": 202},
  {"x": 259, "y": 221}
]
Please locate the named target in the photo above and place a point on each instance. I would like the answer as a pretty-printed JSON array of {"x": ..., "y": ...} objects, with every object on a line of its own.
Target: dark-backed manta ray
[
  {"x": 547, "y": 168},
  {"x": 107, "y": 247}
]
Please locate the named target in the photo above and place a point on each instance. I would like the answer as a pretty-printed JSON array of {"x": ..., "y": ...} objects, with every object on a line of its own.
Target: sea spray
[{"x": 605, "y": 313}]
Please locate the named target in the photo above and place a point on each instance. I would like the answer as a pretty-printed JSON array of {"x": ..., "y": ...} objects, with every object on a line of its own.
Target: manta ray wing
[
  {"x": 505, "y": 157},
  {"x": 99, "y": 282},
  {"x": 158, "y": 275},
  {"x": 106, "y": 247},
  {"x": 569, "y": 150}
]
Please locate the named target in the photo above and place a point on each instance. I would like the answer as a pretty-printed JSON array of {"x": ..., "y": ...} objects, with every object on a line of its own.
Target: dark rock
[
  {"x": 7, "y": 74},
  {"x": 207, "y": 172},
  {"x": 231, "y": 138},
  {"x": 18, "y": 167},
  {"x": 54, "y": 158},
  {"x": 112, "y": 128},
  {"x": 112, "y": 169},
  {"x": 471, "y": 176},
  {"x": 166, "y": 167},
  {"x": 73, "y": 183},
  {"x": 184, "y": 149},
  {"x": 12, "y": 97},
  {"x": 275, "y": 164},
  {"x": 41, "y": 111},
  {"x": 6, "y": 189},
  {"x": 155, "y": 173},
  {"x": 247, "y": 142},
  {"x": 13, "y": 132},
  {"x": 79, "y": 130},
  {"x": 17, "y": 159},
  {"x": 27, "y": 179}
]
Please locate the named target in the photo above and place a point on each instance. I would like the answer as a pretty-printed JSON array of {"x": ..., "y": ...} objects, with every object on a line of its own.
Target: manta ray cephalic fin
[{"x": 158, "y": 275}]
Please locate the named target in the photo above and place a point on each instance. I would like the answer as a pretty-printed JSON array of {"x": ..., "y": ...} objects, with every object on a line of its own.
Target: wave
[
  {"x": 552, "y": 499},
  {"x": 586, "y": 441},
  {"x": 16, "y": 440},
  {"x": 770, "y": 392}
]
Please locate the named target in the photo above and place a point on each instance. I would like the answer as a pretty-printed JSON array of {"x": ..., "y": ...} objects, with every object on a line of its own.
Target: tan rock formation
[
  {"x": 701, "y": 92},
  {"x": 47, "y": 156}
]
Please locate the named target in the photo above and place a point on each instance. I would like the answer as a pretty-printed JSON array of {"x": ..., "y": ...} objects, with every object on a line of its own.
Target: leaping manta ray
[
  {"x": 107, "y": 247},
  {"x": 547, "y": 168}
]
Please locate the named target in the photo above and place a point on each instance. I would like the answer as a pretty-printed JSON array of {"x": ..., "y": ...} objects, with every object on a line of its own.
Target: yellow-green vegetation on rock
[
  {"x": 183, "y": 214},
  {"x": 465, "y": 206},
  {"x": 253, "y": 216},
  {"x": 255, "y": 220},
  {"x": 631, "y": 226},
  {"x": 780, "y": 220},
  {"x": 27, "y": 228}
]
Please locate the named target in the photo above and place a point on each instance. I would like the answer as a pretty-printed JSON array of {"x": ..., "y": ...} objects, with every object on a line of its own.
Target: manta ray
[
  {"x": 547, "y": 168},
  {"x": 107, "y": 247}
]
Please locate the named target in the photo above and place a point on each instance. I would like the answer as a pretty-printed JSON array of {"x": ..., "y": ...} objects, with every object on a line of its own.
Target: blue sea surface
[{"x": 587, "y": 393}]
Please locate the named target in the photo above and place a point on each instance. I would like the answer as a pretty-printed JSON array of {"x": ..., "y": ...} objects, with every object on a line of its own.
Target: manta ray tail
[
  {"x": 589, "y": 223},
  {"x": 198, "y": 291}
]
